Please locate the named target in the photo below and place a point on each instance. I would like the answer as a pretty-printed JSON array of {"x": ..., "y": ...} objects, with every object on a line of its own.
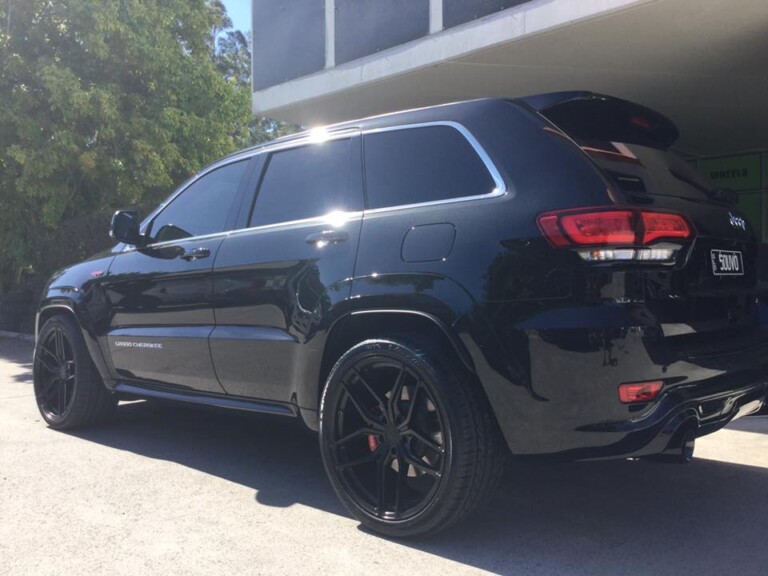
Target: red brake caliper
[{"x": 373, "y": 442}]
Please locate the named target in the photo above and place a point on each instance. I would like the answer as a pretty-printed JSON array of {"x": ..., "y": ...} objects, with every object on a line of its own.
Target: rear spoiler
[{"x": 590, "y": 116}]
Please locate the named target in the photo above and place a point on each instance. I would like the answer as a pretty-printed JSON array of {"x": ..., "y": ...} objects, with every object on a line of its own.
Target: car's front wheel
[
  {"x": 407, "y": 438},
  {"x": 68, "y": 389}
]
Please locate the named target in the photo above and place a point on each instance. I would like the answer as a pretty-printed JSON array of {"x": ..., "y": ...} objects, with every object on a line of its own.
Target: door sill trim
[{"x": 215, "y": 400}]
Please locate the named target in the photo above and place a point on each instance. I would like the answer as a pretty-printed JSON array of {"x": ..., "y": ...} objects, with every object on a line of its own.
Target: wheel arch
[
  {"x": 48, "y": 311},
  {"x": 361, "y": 325},
  {"x": 66, "y": 306}
]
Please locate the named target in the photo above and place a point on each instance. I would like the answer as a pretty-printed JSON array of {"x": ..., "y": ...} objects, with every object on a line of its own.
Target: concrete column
[
  {"x": 435, "y": 16},
  {"x": 330, "y": 33}
]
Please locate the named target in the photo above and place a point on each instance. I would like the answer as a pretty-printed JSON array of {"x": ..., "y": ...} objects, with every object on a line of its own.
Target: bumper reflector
[{"x": 634, "y": 392}]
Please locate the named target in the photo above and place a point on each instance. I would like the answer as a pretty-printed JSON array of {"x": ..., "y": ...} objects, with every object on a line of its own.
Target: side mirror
[{"x": 125, "y": 227}]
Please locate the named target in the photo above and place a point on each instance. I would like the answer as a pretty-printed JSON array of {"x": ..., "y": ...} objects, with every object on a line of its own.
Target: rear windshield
[
  {"x": 641, "y": 169},
  {"x": 631, "y": 143}
]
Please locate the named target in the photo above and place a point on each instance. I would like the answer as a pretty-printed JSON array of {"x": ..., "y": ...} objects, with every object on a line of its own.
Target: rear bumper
[
  {"x": 562, "y": 400},
  {"x": 654, "y": 433}
]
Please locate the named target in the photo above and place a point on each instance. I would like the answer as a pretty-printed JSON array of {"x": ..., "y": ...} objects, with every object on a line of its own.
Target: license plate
[{"x": 727, "y": 263}]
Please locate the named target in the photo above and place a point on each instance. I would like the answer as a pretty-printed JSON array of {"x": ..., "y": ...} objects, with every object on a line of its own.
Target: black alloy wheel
[
  {"x": 399, "y": 441},
  {"x": 388, "y": 442},
  {"x": 68, "y": 389},
  {"x": 55, "y": 370}
]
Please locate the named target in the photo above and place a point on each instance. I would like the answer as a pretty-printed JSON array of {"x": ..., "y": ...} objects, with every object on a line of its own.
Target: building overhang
[{"x": 703, "y": 63}]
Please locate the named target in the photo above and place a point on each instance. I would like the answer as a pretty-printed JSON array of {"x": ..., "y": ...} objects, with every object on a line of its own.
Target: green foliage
[{"x": 111, "y": 103}]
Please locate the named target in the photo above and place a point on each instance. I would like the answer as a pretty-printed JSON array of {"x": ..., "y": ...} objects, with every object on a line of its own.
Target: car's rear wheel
[
  {"x": 68, "y": 389},
  {"x": 407, "y": 438}
]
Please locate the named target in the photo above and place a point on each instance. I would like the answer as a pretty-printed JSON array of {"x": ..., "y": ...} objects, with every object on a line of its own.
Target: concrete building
[{"x": 704, "y": 63}]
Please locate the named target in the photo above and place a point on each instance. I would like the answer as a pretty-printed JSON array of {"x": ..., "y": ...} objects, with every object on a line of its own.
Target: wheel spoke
[
  {"x": 49, "y": 387},
  {"x": 402, "y": 474},
  {"x": 356, "y": 434},
  {"x": 394, "y": 396},
  {"x": 58, "y": 338},
  {"x": 370, "y": 391},
  {"x": 368, "y": 458},
  {"x": 431, "y": 444},
  {"x": 367, "y": 417},
  {"x": 411, "y": 406},
  {"x": 421, "y": 466},
  {"x": 381, "y": 484},
  {"x": 51, "y": 354},
  {"x": 44, "y": 363},
  {"x": 61, "y": 403}
]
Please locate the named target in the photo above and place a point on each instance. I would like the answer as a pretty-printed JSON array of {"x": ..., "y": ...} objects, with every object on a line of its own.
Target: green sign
[
  {"x": 734, "y": 172},
  {"x": 751, "y": 206}
]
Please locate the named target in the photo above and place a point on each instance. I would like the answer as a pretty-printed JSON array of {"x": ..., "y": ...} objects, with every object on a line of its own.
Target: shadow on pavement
[
  {"x": 628, "y": 517},
  {"x": 757, "y": 424},
  {"x": 619, "y": 517},
  {"x": 273, "y": 455},
  {"x": 18, "y": 352}
]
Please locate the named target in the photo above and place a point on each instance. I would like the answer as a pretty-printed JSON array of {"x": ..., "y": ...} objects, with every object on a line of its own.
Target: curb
[{"x": 18, "y": 336}]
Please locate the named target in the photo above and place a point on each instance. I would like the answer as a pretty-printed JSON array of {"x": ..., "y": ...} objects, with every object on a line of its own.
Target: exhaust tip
[
  {"x": 681, "y": 447},
  {"x": 687, "y": 444}
]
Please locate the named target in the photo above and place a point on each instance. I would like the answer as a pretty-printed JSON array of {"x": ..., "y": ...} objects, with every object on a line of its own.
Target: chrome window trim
[
  {"x": 309, "y": 138},
  {"x": 501, "y": 186},
  {"x": 132, "y": 248},
  {"x": 348, "y": 217}
]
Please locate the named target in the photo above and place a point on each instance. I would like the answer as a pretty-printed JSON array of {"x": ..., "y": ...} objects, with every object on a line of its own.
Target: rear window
[
  {"x": 645, "y": 170},
  {"x": 424, "y": 164},
  {"x": 631, "y": 144}
]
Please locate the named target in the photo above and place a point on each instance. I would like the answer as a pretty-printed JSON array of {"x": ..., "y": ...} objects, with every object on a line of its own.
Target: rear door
[
  {"x": 160, "y": 294},
  {"x": 281, "y": 279}
]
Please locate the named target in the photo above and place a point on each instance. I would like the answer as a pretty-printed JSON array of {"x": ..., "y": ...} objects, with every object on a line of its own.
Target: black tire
[
  {"x": 407, "y": 438},
  {"x": 68, "y": 389}
]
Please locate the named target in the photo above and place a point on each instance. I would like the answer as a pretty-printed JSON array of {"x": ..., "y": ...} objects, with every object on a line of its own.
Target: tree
[
  {"x": 233, "y": 60},
  {"x": 107, "y": 104}
]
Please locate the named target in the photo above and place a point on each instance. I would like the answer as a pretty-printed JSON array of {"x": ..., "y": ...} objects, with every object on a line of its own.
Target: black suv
[{"x": 430, "y": 290}]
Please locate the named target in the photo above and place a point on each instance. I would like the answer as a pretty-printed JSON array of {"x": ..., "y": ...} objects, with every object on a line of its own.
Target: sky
[{"x": 240, "y": 13}]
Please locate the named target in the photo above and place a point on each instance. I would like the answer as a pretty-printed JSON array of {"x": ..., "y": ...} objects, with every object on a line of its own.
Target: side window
[
  {"x": 304, "y": 182},
  {"x": 424, "y": 164},
  {"x": 202, "y": 208}
]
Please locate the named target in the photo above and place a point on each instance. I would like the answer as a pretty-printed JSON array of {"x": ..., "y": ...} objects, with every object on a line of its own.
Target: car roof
[
  {"x": 444, "y": 112},
  {"x": 453, "y": 111}
]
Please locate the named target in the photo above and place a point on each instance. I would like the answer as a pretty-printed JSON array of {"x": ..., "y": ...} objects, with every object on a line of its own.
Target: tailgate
[{"x": 712, "y": 288}]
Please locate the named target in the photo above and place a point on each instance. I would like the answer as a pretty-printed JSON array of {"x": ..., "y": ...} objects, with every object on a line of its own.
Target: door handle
[
  {"x": 196, "y": 254},
  {"x": 320, "y": 239}
]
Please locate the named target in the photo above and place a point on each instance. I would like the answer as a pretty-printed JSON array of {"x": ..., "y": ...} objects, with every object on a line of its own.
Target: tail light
[{"x": 616, "y": 234}]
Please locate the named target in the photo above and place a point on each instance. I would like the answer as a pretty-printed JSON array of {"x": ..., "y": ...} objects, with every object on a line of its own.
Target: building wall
[{"x": 291, "y": 36}]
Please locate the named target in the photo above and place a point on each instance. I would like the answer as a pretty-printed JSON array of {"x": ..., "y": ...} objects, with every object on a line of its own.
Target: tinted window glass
[
  {"x": 422, "y": 165},
  {"x": 202, "y": 208},
  {"x": 304, "y": 183},
  {"x": 641, "y": 169}
]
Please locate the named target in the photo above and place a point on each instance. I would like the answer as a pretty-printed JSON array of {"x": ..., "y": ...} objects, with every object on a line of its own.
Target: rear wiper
[{"x": 725, "y": 195}]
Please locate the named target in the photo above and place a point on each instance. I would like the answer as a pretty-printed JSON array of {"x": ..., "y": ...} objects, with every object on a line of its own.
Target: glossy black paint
[
  {"x": 168, "y": 304},
  {"x": 263, "y": 316}
]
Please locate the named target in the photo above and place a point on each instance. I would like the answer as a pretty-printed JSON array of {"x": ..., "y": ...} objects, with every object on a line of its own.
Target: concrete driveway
[{"x": 167, "y": 490}]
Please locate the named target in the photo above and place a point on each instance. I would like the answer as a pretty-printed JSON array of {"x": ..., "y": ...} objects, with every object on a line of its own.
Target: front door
[{"x": 160, "y": 295}]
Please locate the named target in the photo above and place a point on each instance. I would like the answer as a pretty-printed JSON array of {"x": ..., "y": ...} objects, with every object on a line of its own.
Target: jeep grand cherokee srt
[{"x": 430, "y": 290}]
